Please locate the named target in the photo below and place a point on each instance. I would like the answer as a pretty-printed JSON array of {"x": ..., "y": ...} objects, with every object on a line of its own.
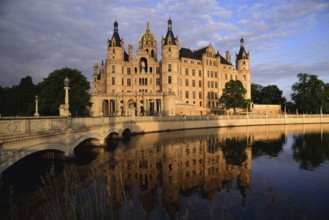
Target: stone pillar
[{"x": 36, "y": 114}]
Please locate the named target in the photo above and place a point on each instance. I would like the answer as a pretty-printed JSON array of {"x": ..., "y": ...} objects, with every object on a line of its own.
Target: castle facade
[{"x": 183, "y": 82}]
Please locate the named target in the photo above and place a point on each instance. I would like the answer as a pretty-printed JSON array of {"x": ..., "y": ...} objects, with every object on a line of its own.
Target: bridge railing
[
  {"x": 27, "y": 125},
  {"x": 11, "y": 126}
]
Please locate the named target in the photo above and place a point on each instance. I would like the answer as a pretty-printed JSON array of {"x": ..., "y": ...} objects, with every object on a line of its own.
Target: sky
[{"x": 284, "y": 37}]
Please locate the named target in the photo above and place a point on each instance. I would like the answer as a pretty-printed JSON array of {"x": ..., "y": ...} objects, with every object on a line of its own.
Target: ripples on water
[{"x": 260, "y": 172}]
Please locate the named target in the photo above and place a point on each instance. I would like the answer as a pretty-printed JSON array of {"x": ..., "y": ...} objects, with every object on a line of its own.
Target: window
[
  {"x": 231, "y": 77},
  {"x": 128, "y": 82},
  {"x": 151, "y": 69},
  {"x": 169, "y": 79},
  {"x": 212, "y": 84},
  {"x": 200, "y": 83},
  {"x": 208, "y": 74},
  {"x": 215, "y": 74},
  {"x": 216, "y": 85},
  {"x": 200, "y": 95},
  {"x": 113, "y": 69},
  {"x": 186, "y": 94},
  {"x": 199, "y": 73},
  {"x": 225, "y": 76},
  {"x": 186, "y": 82},
  {"x": 200, "y": 103},
  {"x": 128, "y": 71},
  {"x": 212, "y": 74},
  {"x": 193, "y": 72},
  {"x": 158, "y": 70},
  {"x": 208, "y": 84},
  {"x": 169, "y": 67},
  {"x": 113, "y": 80},
  {"x": 186, "y": 72},
  {"x": 193, "y": 83},
  {"x": 193, "y": 94},
  {"x": 122, "y": 82},
  {"x": 157, "y": 81},
  {"x": 244, "y": 77}
]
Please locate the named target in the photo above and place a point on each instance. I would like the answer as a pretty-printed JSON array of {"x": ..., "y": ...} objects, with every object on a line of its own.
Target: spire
[
  {"x": 116, "y": 26},
  {"x": 170, "y": 38},
  {"x": 115, "y": 36},
  {"x": 242, "y": 42},
  {"x": 148, "y": 26},
  {"x": 242, "y": 53},
  {"x": 169, "y": 24}
]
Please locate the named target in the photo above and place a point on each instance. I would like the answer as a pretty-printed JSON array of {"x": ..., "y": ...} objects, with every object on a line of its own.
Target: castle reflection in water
[
  {"x": 159, "y": 169},
  {"x": 204, "y": 162}
]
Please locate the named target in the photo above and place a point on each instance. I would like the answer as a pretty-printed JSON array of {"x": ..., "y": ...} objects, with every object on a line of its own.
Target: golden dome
[{"x": 147, "y": 39}]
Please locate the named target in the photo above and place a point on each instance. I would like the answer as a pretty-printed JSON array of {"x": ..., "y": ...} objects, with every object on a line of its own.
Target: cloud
[{"x": 39, "y": 36}]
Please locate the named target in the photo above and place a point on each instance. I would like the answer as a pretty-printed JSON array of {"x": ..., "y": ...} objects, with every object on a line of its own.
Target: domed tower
[
  {"x": 115, "y": 61},
  {"x": 148, "y": 42},
  {"x": 243, "y": 67}
]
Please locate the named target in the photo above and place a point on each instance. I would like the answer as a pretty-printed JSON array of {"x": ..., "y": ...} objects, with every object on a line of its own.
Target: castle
[{"x": 183, "y": 82}]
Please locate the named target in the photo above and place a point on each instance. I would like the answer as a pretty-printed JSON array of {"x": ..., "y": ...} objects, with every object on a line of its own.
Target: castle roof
[
  {"x": 187, "y": 53},
  {"x": 116, "y": 35},
  {"x": 197, "y": 55},
  {"x": 241, "y": 52},
  {"x": 170, "y": 34}
]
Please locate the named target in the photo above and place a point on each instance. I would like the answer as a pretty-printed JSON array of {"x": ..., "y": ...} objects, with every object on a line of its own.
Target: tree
[
  {"x": 309, "y": 94},
  {"x": 233, "y": 95},
  {"x": 52, "y": 92},
  {"x": 270, "y": 94},
  {"x": 19, "y": 99},
  {"x": 256, "y": 93}
]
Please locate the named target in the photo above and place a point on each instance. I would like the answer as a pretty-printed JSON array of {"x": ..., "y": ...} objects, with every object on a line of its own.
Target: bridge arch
[
  {"x": 120, "y": 132},
  {"x": 86, "y": 137},
  {"x": 21, "y": 154}
]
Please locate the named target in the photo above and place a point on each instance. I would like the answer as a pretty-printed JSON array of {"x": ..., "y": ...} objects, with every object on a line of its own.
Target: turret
[
  {"x": 228, "y": 56},
  {"x": 242, "y": 58},
  {"x": 114, "y": 62},
  {"x": 243, "y": 67},
  {"x": 169, "y": 63},
  {"x": 130, "y": 52},
  {"x": 115, "y": 45}
]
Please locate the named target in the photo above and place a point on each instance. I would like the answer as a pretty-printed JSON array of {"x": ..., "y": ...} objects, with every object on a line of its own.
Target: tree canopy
[
  {"x": 233, "y": 95},
  {"x": 310, "y": 94},
  {"x": 19, "y": 99},
  {"x": 270, "y": 94},
  {"x": 52, "y": 92}
]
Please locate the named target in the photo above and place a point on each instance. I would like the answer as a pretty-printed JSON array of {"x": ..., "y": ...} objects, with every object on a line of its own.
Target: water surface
[{"x": 272, "y": 172}]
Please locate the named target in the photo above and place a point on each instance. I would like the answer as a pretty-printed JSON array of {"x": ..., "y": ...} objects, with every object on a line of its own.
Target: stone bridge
[{"x": 20, "y": 137}]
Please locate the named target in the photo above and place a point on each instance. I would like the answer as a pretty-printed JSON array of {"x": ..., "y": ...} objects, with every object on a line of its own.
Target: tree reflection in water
[
  {"x": 311, "y": 149},
  {"x": 271, "y": 148}
]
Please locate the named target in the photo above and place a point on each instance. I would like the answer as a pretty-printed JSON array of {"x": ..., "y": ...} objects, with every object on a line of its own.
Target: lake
[{"x": 259, "y": 172}]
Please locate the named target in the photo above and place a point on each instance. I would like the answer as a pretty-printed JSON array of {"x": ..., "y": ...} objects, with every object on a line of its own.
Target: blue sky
[{"x": 284, "y": 37}]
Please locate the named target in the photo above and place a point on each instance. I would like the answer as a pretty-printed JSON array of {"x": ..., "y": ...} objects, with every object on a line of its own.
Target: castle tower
[
  {"x": 148, "y": 43},
  {"x": 243, "y": 67},
  {"x": 169, "y": 63},
  {"x": 115, "y": 59}
]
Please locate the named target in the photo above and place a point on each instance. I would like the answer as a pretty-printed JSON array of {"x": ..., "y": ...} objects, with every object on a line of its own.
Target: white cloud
[{"x": 38, "y": 36}]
